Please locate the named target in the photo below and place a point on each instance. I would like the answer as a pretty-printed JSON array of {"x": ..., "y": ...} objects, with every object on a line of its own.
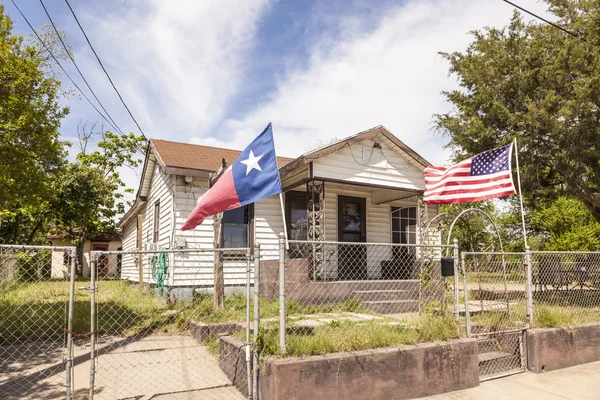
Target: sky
[{"x": 215, "y": 72}]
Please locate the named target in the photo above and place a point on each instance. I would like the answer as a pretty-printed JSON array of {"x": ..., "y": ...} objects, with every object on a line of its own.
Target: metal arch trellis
[{"x": 496, "y": 230}]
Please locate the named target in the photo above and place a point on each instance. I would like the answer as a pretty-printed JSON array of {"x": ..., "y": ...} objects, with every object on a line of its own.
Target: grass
[
  {"x": 347, "y": 336},
  {"x": 202, "y": 309},
  {"x": 37, "y": 310}
]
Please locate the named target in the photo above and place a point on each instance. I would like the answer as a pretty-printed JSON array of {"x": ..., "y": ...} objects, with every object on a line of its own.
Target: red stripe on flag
[
  {"x": 470, "y": 199},
  {"x": 467, "y": 190},
  {"x": 221, "y": 197}
]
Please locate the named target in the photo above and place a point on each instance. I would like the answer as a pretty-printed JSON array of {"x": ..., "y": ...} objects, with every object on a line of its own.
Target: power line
[
  {"x": 78, "y": 70},
  {"x": 60, "y": 65},
  {"x": 104, "y": 69},
  {"x": 542, "y": 19}
]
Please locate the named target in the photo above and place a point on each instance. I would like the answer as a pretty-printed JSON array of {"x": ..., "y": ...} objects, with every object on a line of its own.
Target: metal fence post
[
  {"x": 467, "y": 315},
  {"x": 282, "y": 325},
  {"x": 92, "y": 325},
  {"x": 248, "y": 359},
  {"x": 529, "y": 277},
  {"x": 256, "y": 318},
  {"x": 69, "y": 364},
  {"x": 455, "y": 256}
]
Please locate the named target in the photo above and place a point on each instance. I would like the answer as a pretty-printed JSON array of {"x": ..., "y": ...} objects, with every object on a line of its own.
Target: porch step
[
  {"x": 380, "y": 295},
  {"x": 392, "y": 306},
  {"x": 488, "y": 346}
]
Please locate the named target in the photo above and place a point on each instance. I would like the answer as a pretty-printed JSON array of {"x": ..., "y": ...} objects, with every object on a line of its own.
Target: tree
[
  {"x": 540, "y": 85},
  {"x": 89, "y": 193},
  {"x": 31, "y": 152},
  {"x": 566, "y": 225},
  {"x": 473, "y": 230}
]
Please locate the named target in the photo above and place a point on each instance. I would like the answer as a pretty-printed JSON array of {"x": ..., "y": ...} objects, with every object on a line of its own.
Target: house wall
[
  {"x": 129, "y": 263},
  {"x": 196, "y": 269},
  {"x": 161, "y": 189},
  {"x": 59, "y": 270},
  {"x": 362, "y": 162},
  {"x": 113, "y": 245}
]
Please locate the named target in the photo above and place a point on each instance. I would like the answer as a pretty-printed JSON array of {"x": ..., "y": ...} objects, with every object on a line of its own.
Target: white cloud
[
  {"x": 177, "y": 63},
  {"x": 391, "y": 75}
]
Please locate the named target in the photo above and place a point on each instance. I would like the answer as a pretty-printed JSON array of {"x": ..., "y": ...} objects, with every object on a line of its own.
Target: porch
[{"x": 385, "y": 278}]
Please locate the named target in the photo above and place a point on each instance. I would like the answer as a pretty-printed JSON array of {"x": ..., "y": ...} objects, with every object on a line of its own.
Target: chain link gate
[
  {"x": 139, "y": 341},
  {"x": 497, "y": 309},
  {"x": 34, "y": 331}
]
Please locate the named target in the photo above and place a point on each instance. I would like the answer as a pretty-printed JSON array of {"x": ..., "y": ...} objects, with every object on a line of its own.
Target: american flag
[{"x": 481, "y": 177}]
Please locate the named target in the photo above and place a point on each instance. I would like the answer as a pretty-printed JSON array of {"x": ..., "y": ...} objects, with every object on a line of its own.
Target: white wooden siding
[
  {"x": 129, "y": 268},
  {"x": 268, "y": 224},
  {"x": 160, "y": 191},
  {"x": 196, "y": 269},
  {"x": 394, "y": 170}
]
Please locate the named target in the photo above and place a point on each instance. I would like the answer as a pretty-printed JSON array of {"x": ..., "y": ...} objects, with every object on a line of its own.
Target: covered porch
[{"x": 355, "y": 231}]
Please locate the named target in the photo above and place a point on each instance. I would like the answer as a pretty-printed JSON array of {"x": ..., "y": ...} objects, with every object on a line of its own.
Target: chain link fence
[
  {"x": 183, "y": 323},
  {"x": 34, "y": 298},
  {"x": 566, "y": 288},
  {"x": 165, "y": 336},
  {"x": 350, "y": 296}
]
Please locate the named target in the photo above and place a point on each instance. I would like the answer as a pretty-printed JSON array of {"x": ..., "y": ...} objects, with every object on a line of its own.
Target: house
[
  {"x": 366, "y": 188},
  {"x": 108, "y": 241}
]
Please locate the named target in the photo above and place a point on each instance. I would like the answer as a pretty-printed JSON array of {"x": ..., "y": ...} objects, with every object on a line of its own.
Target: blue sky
[{"x": 215, "y": 72}]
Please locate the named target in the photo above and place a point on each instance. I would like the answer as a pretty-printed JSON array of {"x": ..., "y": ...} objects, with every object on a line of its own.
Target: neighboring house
[
  {"x": 364, "y": 188},
  {"x": 103, "y": 241}
]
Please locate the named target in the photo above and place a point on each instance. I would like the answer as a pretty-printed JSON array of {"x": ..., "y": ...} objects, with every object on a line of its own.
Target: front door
[{"x": 352, "y": 258}]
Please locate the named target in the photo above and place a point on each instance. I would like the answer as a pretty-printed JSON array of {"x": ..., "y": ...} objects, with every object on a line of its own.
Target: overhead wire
[
  {"x": 115, "y": 125},
  {"x": 104, "y": 69},
  {"x": 60, "y": 65},
  {"x": 542, "y": 19}
]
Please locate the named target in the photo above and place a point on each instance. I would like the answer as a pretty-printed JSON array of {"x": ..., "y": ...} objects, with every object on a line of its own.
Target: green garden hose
[{"x": 160, "y": 266}]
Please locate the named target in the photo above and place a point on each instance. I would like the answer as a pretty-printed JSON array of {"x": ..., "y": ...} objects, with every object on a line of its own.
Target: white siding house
[{"x": 372, "y": 174}]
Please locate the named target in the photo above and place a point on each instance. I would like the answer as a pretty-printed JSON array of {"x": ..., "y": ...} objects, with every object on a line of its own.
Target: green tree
[
  {"x": 30, "y": 116},
  {"x": 566, "y": 224},
  {"x": 540, "y": 85},
  {"x": 31, "y": 152},
  {"x": 473, "y": 230},
  {"x": 89, "y": 194}
]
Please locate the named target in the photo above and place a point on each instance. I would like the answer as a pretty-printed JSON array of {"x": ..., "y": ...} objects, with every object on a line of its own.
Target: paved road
[{"x": 581, "y": 382}]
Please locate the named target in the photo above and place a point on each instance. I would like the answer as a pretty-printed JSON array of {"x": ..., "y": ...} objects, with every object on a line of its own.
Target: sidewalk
[{"x": 581, "y": 382}]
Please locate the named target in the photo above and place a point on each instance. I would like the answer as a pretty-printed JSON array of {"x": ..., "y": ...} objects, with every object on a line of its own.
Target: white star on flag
[{"x": 252, "y": 162}]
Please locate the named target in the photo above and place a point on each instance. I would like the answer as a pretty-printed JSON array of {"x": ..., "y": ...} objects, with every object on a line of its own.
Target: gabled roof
[
  {"x": 198, "y": 160},
  {"x": 359, "y": 137},
  {"x": 195, "y": 156}
]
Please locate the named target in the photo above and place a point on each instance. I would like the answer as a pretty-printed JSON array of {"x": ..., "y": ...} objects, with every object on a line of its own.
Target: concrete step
[
  {"x": 380, "y": 295},
  {"x": 392, "y": 306},
  {"x": 496, "y": 362},
  {"x": 488, "y": 345}
]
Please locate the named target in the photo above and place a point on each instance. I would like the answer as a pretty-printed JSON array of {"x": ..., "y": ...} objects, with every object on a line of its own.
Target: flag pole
[
  {"x": 520, "y": 193},
  {"x": 287, "y": 246}
]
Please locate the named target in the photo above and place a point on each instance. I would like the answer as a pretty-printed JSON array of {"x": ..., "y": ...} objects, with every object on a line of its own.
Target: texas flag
[{"x": 252, "y": 177}]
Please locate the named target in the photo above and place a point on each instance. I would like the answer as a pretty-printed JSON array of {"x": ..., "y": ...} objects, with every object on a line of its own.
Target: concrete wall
[
  {"x": 391, "y": 373},
  {"x": 555, "y": 348}
]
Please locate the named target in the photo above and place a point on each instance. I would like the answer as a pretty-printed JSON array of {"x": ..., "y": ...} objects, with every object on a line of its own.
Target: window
[
  {"x": 236, "y": 227},
  {"x": 156, "y": 222},
  {"x": 296, "y": 215},
  {"x": 404, "y": 225}
]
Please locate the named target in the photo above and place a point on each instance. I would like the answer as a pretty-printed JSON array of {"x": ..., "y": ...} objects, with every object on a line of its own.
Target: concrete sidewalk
[{"x": 581, "y": 382}]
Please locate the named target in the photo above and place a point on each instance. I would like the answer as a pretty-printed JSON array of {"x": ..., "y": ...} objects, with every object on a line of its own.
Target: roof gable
[{"x": 372, "y": 133}]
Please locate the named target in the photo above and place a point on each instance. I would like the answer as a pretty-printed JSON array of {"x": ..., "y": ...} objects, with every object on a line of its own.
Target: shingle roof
[{"x": 195, "y": 156}]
